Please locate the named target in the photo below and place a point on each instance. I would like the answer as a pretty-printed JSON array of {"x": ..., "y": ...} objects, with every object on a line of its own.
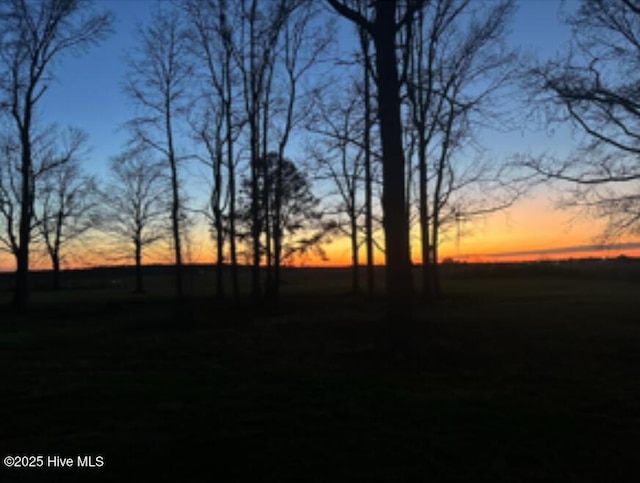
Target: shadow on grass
[{"x": 507, "y": 381}]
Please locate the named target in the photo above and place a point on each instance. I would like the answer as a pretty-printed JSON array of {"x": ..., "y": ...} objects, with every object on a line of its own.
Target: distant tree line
[{"x": 300, "y": 142}]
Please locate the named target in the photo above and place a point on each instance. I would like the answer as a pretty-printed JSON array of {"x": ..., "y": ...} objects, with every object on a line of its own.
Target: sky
[{"x": 87, "y": 93}]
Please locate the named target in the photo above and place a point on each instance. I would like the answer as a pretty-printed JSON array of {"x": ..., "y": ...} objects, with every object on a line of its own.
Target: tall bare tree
[
  {"x": 305, "y": 39},
  {"x": 382, "y": 24},
  {"x": 266, "y": 49},
  {"x": 34, "y": 35},
  {"x": 209, "y": 132},
  {"x": 254, "y": 64},
  {"x": 421, "y": 92},
  {"x": 158, "y": 80},
  {"x": 458, "y": 62},
  {"x": 213, "y": 45},
  {"x": 365, "y": 42},
  {"x": 256, "y": 42}
]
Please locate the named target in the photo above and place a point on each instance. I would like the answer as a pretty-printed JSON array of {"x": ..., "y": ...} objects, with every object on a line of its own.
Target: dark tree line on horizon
[{"x": 300, "y": 144}]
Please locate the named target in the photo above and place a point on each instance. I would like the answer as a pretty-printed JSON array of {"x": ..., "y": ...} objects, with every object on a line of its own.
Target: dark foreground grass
[{"x": 508, "y": 380}]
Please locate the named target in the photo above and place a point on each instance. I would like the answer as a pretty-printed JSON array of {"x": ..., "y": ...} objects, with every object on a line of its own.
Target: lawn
[{"x": 508, "y": 379}]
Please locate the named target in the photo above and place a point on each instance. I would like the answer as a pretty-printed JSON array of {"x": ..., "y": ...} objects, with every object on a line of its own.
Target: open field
[{"x": 516, "y": 377}]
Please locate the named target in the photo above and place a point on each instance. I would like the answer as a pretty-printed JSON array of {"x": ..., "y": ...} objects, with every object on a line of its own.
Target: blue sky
[{"x": 88, "y": 93}]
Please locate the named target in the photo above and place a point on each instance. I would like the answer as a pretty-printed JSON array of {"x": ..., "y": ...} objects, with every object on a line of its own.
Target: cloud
[{"x": 560, "y": 250}]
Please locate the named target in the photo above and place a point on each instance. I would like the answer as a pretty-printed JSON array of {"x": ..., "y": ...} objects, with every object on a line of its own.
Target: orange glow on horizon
[
  {"x": 337, "y": 258},
  {"x": 530, "y": 231}
]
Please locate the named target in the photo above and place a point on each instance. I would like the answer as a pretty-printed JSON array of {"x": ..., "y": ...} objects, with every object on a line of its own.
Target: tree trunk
[
  {"x": 219, "y": 251},
  {"x": 355, "y": 275},
  {"x": 424, "y": 219},
  {"x": 175, "y": 204},
  {"x": 255, "y": 220},
  {"x": 233, "y": 252},
  {"x": 56, "y": 272},
  {"x": 277, "y": 229},
  {"x": 55, "y": 254},
  {"x": 267, "y": 179},
  {"x": 21, "y": 295},
  {"x": 440, "y": 173},
  {"x": 232, "y": 183},
  {"x": 367, "y": 168},
  {"x": 175, "y": 228},
  {"x": 276, "y": 263},
  {"x": 217, "y": 215},
  {"x": 138, "y": 257},
  {"x": 266, "y": 214},
  {"x": 396, "y": 229},
  {"x": 437, "y": 289}
]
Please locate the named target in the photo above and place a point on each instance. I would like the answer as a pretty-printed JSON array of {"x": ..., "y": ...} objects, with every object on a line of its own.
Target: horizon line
[{"x": 482, "y": 258}]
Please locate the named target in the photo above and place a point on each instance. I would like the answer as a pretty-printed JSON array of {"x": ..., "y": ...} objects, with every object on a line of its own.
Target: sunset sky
[{"x": 88, "y": 93}]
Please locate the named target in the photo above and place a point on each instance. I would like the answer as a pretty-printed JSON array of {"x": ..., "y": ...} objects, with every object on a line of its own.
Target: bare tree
[
  {"x": 421, "y": 93},
  {"x": 66, "y": 202},
  {"x": 260, "y": 35},
  {"x": 10, "y": 196},
  {"x": 210, "y": 133},
  {"x": 259, "y": 30},
  {"x": 33, "y": 36},
  {"x": 458, "y": 64},
  {"x": 383, "y": 30},
  {"x": 213, "y": 45},
  {"x": 304, "y": 40},
  {"x": 594, "y": 88},
  {"x": 339, "y": 157},
  {"x": 134, "y": 209},
  {"x": 158, "y": 79},
  {"x": 57, "y": 181},
  {"x": 256, "y": 67},
  {"x": 265, "y": 49},
  {"x": 366, "y": 138}
]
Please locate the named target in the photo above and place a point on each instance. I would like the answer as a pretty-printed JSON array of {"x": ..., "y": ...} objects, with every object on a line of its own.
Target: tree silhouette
[
  {"x": 34, "y": 35},
  {"x": 63, "y": 195},
  {"x": 295, "y": 222},
  {"x": 339, "y": 157},
  {"x": 134, "y": 207},
  {"x": 66, "y": 202},
  {"x": 158, "y": 78},
  {"x": 218, "y": 128},
  {"x": 368, "y": 171},
  {"x": 595, "y": 88},
  {"x": 209, "y": 131},
  {"x": 383, "y": 31},
  {"x": 458, "y": 63}
]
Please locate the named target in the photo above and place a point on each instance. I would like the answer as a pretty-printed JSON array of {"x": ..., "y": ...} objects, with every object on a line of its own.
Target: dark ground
[{"x": 518, "y": 375}]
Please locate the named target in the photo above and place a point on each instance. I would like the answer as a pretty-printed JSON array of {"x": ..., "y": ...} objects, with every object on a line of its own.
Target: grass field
[{"x": 509, "y": 379}]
